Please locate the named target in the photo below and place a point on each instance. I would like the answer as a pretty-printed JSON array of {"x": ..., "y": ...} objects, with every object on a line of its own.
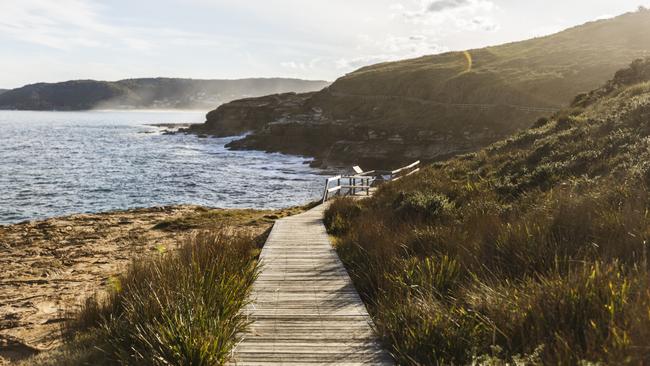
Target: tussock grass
[
  {"x": 532, "y": 251},
  {"x": 176, "y": 308}
]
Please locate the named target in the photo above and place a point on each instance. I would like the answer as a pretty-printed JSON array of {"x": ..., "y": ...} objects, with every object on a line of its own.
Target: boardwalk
[{"x": 305, "y": 309}]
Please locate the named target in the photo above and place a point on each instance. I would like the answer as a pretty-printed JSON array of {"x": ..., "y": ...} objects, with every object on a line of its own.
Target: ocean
[{"x": 60, "y": 163}]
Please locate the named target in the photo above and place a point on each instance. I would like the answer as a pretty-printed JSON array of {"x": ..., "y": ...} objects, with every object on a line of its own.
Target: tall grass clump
[
  {"x": 533, "y": 251},
  {"x": 183, "y": 307}
]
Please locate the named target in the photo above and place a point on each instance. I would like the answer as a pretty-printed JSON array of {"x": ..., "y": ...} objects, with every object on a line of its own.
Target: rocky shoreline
[{"x": 306, "y": 124}]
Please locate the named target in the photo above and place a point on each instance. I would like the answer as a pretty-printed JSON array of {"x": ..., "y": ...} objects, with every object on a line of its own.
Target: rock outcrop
[{"x": 250, "y": 114}]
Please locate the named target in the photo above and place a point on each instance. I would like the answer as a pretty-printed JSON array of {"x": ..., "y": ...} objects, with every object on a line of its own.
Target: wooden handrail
[
  {"x": 407, "y": 174},
  {"x": 334, "y": 178},
  {"x": 369, "y": 172},
  {"x": 366, "y": 179},
  {"x": 411, "y": 166}
]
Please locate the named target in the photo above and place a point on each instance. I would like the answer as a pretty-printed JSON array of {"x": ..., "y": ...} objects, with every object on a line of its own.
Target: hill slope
[
  {"x": 437, "y": 106},
  {"x": 146, "y": 93},
  {"x": 533, "y": 249}
]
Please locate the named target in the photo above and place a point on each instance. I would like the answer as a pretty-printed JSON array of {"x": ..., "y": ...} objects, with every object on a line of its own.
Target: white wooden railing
[{"x": 346, "y": 185}]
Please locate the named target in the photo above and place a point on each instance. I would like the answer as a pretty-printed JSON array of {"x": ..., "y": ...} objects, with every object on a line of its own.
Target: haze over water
[{"x": 59, "y": 163}]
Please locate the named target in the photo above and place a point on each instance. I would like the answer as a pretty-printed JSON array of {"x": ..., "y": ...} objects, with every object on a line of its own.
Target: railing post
[
  {"x": 325, "y": 194},
  {"x": 338, "y": 185}
]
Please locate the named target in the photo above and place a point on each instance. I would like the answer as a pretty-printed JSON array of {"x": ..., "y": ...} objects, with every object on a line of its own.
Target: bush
[
  {"x": 181, "y": 308},
  {"x": 533, "y": 252},
  {"x": 422, "y": 205},
  {"x": 555, "y": 277},
  {"x": 340, "y": 215}
]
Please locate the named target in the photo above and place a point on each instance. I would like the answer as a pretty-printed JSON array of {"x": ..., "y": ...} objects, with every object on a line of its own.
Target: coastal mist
[{"x": 59, "y": 163}]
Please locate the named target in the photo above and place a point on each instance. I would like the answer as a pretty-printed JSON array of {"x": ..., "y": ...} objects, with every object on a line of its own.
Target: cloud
[
  {"x": 392, "y": 48},
  {"x": 47, "y": 23},
  {"x": 294, "y": 65},
  {"x": 428, "y": 21},
  {"x": 312, "y": 64},
  {"x": 68, "y": 24},
  {"x": 438, "y": 12},
  {"x": 449, "y": 16},
  {"x": 478, "y": 23},
  {"x": 441, "y": 5}
]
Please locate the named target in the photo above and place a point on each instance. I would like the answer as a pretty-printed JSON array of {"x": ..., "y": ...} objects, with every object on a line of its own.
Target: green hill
[
  {"x": 437, "y": 106},
  {"x": 531, "y": 251},
  {"x": 146, "y": 93}
]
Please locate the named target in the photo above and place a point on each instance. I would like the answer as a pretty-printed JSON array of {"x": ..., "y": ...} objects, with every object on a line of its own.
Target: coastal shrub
[
  {"x": 431, "y": 276},
  {"x": 534, "y": 253},
  {"x": 344, "y": 211},
  {"x": 587, "y": 314},
  {"x": 181, "y": 308},
  {"x": 421, "y": 204},
  {"x": 550, "y": 279}
]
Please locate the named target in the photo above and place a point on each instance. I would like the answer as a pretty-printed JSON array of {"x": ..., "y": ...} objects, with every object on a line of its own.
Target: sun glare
[{"x": 468, "y": 57}]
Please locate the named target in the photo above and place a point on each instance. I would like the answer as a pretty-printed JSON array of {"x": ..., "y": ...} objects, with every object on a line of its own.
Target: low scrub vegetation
[
  {"x": 177, "y": 308},
  {"x": 203, "y": 218},
  {"x": 532, "y": 251}
]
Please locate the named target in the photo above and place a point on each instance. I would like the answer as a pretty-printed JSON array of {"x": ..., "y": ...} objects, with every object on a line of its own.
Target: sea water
[{"x": 59, "y": 163}]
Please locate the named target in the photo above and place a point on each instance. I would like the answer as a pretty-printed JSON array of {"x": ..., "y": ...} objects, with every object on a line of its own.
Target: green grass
[
  {"x": 543, "y": 72},
  {"x": 177, "y": 308},
  {"x": 533, "y": 250}
]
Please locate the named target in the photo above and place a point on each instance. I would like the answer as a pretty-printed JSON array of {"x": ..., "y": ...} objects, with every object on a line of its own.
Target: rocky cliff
[
  {"x": 250, "y": 114},
  {"x": 436, "y": 106}
]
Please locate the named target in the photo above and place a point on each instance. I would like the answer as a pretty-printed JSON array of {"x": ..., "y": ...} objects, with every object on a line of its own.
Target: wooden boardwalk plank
[{"x": 305, "y": 309}]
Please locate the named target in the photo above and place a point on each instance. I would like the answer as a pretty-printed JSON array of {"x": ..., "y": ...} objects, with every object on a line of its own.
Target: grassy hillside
[
  {"x": 541, "y": 72},
  {"x": 533, "y": 250},
  {"x": 438, "y": 106},
  {"x": 146, "y": 93}
]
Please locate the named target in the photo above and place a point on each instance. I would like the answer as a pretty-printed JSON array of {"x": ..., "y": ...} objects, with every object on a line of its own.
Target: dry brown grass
[
  {"x": 533, "y": 250},
  {"x": 182, "y": 307}
]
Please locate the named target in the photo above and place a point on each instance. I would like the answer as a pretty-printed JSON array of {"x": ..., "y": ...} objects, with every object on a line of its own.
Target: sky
[{"x": 49, "y": 41}]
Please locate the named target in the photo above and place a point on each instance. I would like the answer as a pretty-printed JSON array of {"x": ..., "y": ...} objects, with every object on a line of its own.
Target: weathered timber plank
[{"x": 305, "y": 309}]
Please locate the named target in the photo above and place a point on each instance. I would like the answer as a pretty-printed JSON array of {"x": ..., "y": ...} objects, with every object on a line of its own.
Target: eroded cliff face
[
  {"x": 336, "y": 144},
  {"x": 314, "y": 125},
  {"x": 250, "y": 114}
]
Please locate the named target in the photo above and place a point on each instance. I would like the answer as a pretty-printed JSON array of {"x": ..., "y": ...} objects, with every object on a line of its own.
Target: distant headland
[{"x": 146, "y": 93}]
